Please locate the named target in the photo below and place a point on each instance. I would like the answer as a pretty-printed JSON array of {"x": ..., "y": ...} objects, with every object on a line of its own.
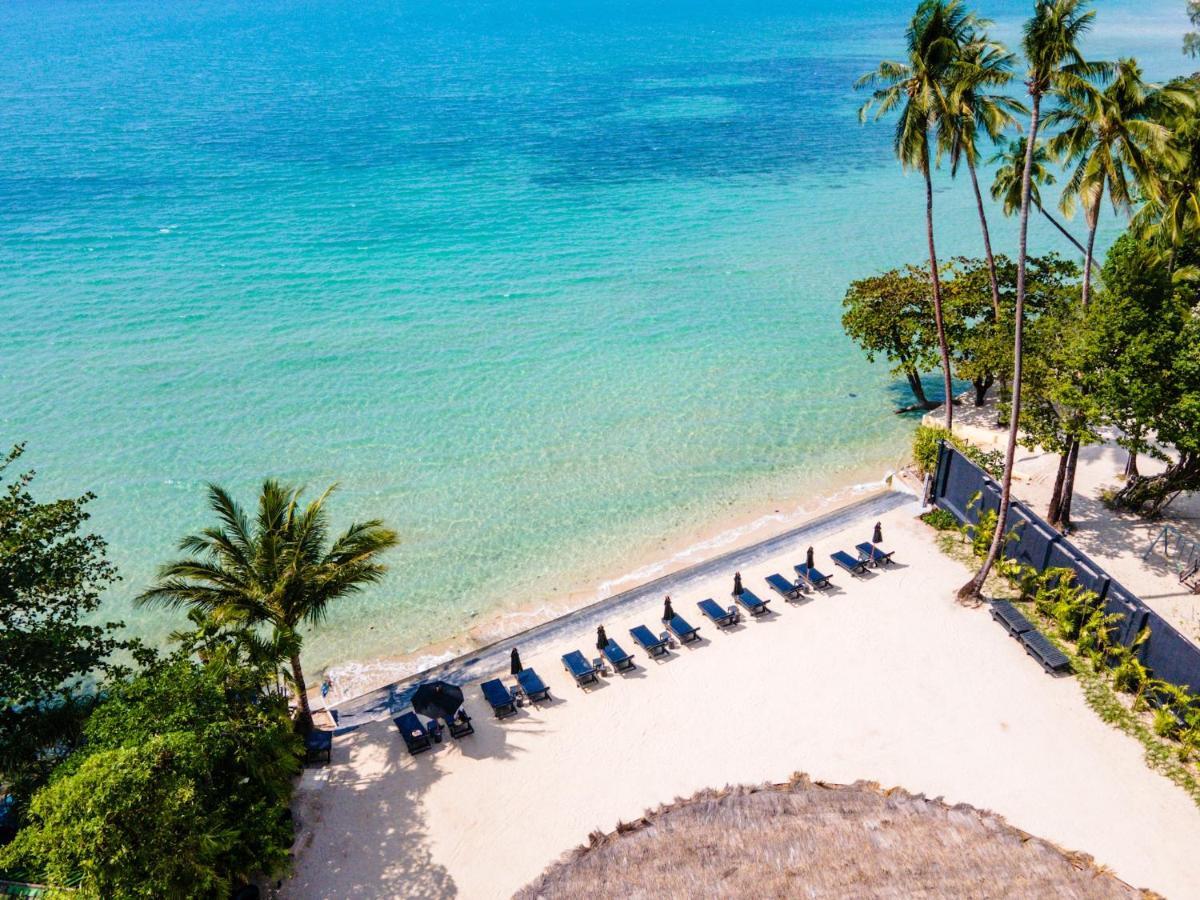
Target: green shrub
[
  {"x": 941, "y": 519},
  {"x": 925, "y": 451},
  {"x": 1165, "y": 722}
]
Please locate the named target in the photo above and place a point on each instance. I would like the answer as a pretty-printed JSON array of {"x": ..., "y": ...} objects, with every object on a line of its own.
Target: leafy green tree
[
  {"x": 1059, "y": 413},
  {"x": 1110, "y": 136},
  {"x": 180, "y": 790},
  {"x": 889, "y": 315},
  {"x": 276, "y": 569},
  {"x": 52, "y": 575},
  {"x": 1055, "y": 65},
  {"x": 1146, "y": 328},
  {"x": 917, "y": 87}
]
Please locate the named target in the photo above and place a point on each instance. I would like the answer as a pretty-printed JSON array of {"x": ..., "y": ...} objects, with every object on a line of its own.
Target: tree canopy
[
  {"x": 52, "y": 574},
  {"x": 179, "y": 790}
]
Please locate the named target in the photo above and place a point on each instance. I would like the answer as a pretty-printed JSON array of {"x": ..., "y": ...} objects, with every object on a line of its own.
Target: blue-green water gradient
[{"x": 546, "y": 285}]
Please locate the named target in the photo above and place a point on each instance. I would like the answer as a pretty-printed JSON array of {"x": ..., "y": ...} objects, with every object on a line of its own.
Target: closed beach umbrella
[
  {"x": 516, "y": 662},
  {"x": 668, "y": 613},
  {"x": 601, "y": 638},
  {"x": 737, "y": 583},
  {"x": 877, "y": 537},
  {"x": 437, "y": 699},
  {"x": 808, "y": 560}
]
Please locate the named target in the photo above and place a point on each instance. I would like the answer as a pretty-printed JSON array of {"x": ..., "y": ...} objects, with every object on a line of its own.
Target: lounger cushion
[
  {"x": 848, "y": 562},
  {"x": 722, "y": 617},
  {"x": 617, "y": 656},
  {"x": 501, "y": 698},
  {"x": 783, "y": 587},
  {"x": 648, "y": 641},
  {"x": 812, "y": 576},
  {"x": 532, "y": 684},
  {"x": 682, "y": 630},
  {"x": 756, "y": 606}
]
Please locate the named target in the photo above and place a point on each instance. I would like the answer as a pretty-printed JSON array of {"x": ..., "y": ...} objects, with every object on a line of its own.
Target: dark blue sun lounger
[
  {"x": 784, "y": 588},
  {"x": 811, "y": 576},
  {"x": 621, "y": 661},
  {"x": 682, "y": 630},
  {"x": 1010, "y": 617},
  {"x": 848, "y": 562},
  {"x": 581, "y": 670},
  {"x": 872, "y": 554},
  {"x": 722, "y": 618},
  {"x": 751, "y": 603},
  {"x": 646, "y": 639},
  {"x": 501, "y": 698},
  {"x": 318, "y": 743},
  {"x": 416, "y": 738},
  {"x": 531, "y": 683}
]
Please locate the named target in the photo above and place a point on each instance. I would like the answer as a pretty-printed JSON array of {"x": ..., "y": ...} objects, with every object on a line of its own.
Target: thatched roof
[{"x": 806, "y": 839}]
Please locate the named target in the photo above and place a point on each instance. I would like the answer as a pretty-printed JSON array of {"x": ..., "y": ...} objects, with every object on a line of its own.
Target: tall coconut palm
[
  {"x": 1006, "y": 187},
  {"x": 1055, "y": 66},
  {"x": 276, "y": 570},
  {"x": 976, "y": 111},
  {"x": 1112, "y": 136},
  {"x": 917, "y": 87},
  {"x": 1170, "y": 208}
]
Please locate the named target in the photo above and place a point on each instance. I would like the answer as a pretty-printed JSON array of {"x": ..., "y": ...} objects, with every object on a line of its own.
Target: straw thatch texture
[{"x": 806, "y": 839}]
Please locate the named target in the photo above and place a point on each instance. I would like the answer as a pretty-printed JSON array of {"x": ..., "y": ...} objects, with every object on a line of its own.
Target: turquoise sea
[{"x": 549, "y": 286}]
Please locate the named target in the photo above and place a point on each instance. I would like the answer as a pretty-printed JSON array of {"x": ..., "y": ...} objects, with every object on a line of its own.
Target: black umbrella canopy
[
  {"x": 601, "y": 638},
  {"x": 516, "y": 662},
  {"x": 737, "y": 583},
  {"x": 877, "y": 537},
  {"x": 668, "y": 612},
  {"x": 437, "y": 699},
  {"x": 808, "y": 559}
]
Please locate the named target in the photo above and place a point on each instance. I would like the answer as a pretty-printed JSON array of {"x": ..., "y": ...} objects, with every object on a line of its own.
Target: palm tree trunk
[
  {"x": 987, "y": 239},
  {"x": 1088, "y": 260},
  {"x": 301, "y": 694},
  {"x": 936, "y": 282},
  {"x": 974, "y": 587},
  {"x": 1070, "y": 237}
]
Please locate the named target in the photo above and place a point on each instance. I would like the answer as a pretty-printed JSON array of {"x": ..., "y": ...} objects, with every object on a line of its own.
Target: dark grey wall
[{"x": 1167, "y": 653}]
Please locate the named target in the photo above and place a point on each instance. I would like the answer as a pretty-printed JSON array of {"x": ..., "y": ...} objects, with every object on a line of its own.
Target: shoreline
[
  {"x": 759, "y": 514},
  {"x": 382, "y": 701}
]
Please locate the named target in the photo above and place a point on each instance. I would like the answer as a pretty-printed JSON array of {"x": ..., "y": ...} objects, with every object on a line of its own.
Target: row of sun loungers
[
  {"x": 504, "y": 700},
  {"x": 1035, "y": 643}
]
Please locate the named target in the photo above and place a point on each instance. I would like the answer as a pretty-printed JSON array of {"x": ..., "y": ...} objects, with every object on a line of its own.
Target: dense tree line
[
  {"x": 131, "y": 773},
  {"x": 1071, "y": 349}
]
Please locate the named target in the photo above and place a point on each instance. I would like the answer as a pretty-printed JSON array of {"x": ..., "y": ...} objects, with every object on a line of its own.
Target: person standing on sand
[
  {"x": 515, "y": 666},
  {"x": 668, "y": 612}
]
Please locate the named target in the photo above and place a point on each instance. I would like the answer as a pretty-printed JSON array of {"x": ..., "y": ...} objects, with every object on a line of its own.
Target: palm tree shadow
[{"x": 362, "y": 829}]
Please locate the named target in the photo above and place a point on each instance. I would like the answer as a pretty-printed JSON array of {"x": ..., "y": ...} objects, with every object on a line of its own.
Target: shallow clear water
[{"x": 544, "y": 285}]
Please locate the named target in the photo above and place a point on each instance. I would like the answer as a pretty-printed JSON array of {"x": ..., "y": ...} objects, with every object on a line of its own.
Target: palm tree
[
  {"x": 917, "y": 87},
  {"x": 275, "y": 570},
  {"x": 1006, "y": 187},
  {"x": 982, "y": 65},
  {"x": 1112, "y": 136},
  {"x": 1170, "y": 209},
  {"x": 1055, "y": 66}
]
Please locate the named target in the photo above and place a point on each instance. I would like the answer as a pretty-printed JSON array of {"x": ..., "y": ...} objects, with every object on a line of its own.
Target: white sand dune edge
[{"x": 886, "y": 679}]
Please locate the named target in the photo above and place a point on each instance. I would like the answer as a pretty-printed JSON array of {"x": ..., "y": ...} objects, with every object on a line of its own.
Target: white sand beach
[
  {"x": 1117, "y": 540},
  {"x": 885, "y": 678}
]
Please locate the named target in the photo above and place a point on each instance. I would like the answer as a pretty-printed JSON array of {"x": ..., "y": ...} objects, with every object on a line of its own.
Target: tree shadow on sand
[{"x": 360, "y": 821}]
